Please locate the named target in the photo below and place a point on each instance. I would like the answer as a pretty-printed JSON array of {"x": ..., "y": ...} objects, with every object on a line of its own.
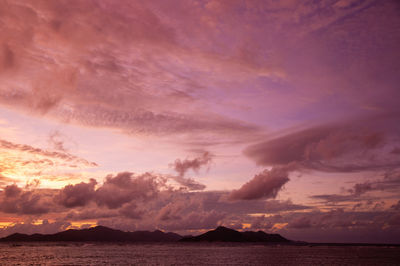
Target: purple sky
[{"x": 280, "y": 116}]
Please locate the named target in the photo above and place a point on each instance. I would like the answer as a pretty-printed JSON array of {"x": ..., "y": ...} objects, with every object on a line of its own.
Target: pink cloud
[
  {"x": 182, "y": 166},
  {"x": 357, "y": 145},
  {"x": 263, "y": 185},
  {"x": 82, "y": 62},
  {"x": 67, "y": 157},
  {"x": 14, "y": 200},
  {"x": 124, "y": 187},
  {"x": 77, "y": 195}
]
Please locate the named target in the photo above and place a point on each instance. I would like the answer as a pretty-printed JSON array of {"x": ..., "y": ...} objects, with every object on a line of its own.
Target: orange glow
[
  {"x": 79, "y": 224},
  {"x": 5, "y": 224},
  {"x": 279, "y": 226},
  {"x": 23, "y": 168},
  {"x": 246, "y": 226}
]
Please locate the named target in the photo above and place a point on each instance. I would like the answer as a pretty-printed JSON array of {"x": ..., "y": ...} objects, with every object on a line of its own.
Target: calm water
[{"x": 193, "y": 254}]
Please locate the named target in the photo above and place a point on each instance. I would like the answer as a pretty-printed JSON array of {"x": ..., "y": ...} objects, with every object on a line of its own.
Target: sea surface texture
[{"x": 193, "y": 254}]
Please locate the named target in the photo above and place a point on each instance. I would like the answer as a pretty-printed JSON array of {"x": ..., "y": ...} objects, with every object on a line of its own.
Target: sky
[{"x": 273, "y": 115}]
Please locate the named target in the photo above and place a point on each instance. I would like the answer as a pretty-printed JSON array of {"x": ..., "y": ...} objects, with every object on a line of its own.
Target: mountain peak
[
  {"x": 101, "y": 228},
  {"x": 224, "y": 234}
]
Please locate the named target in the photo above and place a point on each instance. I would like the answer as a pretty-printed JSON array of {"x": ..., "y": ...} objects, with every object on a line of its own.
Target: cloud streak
[
  {"x": 63, "y": 156},
  {"x": 263, "y": 185},
  {"x": 153, "y": 94},
  {"x": 358, "y": 145}
]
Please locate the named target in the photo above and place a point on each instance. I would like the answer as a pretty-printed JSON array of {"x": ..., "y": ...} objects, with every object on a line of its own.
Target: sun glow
[
  {"x": 279, "y": 226},
  {"x": 82, "y": 224}
]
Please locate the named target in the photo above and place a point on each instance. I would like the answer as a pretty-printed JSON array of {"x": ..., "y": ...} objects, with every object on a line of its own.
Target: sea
[{"x": 193, "y": 254}]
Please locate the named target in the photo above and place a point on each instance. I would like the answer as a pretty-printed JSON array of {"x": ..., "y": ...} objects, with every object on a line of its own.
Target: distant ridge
[
  {"x": 220, "y": 234},
  {"x": 105, "y": 234},
  {"x": 224, "y": 234},
  {"x": 96, "y": 234}
]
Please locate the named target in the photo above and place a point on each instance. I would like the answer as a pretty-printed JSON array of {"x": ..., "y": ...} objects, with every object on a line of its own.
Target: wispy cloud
[
  {"x": 63, "y": 156},
  {"x": 357, "y": 145},
  {"x": 183, "y": 166}
]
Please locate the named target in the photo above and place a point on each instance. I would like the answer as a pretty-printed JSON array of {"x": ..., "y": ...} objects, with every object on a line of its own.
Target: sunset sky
[{"x": 273, "y": 115}]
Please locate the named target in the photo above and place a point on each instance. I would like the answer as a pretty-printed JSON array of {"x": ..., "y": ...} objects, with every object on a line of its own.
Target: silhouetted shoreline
[{"x": 102, "y": 234}]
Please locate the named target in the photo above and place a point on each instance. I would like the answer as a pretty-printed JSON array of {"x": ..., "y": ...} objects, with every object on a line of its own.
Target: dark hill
[
  {"x": 223, "y": 234},
  {"x": 98, "y": 234},
  {"x": 105, "y": 234}
]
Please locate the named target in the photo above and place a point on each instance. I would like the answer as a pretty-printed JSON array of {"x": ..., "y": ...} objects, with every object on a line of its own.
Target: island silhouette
[
  {"x": 224, "y": 234},
  {"x": 105, "y": 234}
]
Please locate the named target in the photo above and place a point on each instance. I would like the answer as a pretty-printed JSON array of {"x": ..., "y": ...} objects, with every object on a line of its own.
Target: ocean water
[{"x": 193, "y": 254}]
